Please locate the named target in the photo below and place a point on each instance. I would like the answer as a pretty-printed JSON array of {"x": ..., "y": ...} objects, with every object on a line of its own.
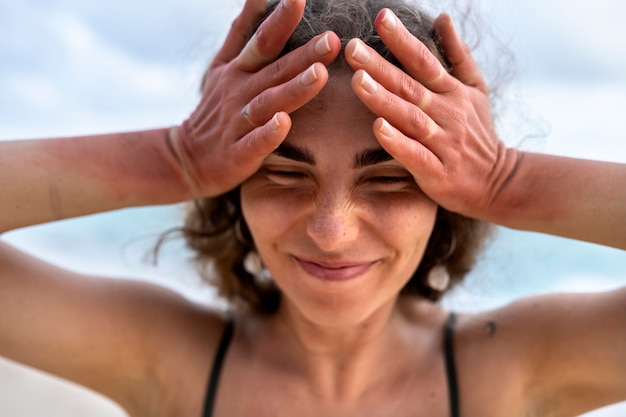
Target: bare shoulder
[
  {"x": 122, "y": 338},
  {"x": 549, "y": 349}
]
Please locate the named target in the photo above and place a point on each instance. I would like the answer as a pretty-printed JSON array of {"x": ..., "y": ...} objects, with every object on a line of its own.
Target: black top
[
  {"x": 218, "y": 362},
  {"x": 448, "y": 346}
]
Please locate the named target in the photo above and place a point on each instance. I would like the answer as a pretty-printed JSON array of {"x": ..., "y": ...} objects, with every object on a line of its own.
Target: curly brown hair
[{"x": 216, "y": 231}]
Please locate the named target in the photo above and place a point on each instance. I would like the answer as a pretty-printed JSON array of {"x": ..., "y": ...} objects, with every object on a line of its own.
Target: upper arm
[
  {"x": 106, "y": 334},
  {"x": 577, "y": 349}
]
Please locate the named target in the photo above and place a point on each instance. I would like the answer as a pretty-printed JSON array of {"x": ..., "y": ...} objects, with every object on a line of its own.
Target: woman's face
[{"x": 339, "y": 224}]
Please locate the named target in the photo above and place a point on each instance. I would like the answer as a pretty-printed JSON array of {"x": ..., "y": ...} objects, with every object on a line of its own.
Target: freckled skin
[{"x": 337, "y": 212}]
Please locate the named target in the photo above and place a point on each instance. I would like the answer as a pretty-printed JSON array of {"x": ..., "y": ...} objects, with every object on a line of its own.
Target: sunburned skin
[
  {"x": 130, "y": 172},
  {"x": 63, "y": 178}
]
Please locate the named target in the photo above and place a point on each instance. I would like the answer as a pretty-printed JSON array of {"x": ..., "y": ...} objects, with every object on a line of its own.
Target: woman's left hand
[{"x": 437, "y": 124}]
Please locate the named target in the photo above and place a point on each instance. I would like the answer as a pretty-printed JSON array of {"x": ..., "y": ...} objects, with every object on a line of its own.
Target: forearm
[
  {"x": 53, "y": 179},
  {"x": 574, "y": 198}
]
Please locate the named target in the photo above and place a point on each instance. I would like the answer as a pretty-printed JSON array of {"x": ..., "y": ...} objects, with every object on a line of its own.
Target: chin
[{"x": 338, "y": 310}]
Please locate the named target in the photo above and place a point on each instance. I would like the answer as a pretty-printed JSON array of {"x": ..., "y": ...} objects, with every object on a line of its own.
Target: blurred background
[{"x": 71, "y": 67}]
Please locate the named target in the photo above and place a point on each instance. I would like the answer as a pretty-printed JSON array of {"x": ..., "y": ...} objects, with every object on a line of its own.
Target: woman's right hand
[{"x": 247, "y": 95}]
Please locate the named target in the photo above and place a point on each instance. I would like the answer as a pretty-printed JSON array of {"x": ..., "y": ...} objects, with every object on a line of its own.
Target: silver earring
[
  {"x": 438, "y": 278},
  {"x": 253, "y": 265}
]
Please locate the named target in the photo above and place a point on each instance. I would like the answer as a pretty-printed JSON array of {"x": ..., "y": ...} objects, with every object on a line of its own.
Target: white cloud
[
  {"x": 65, "y": 78},
  {"x": 579, "y": 40},
  {"x": 571, "y": 119}
]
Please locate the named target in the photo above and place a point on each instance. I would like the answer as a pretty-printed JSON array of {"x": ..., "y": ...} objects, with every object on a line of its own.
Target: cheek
[
  {"x": 267, "y": 212},
  {"x": 405, "y": 224},
  {"x": 404, "y": 216}
]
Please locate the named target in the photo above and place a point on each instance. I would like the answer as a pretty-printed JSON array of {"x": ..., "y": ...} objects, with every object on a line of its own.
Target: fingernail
[
  {"x": 360, "y": 53},
  {"x": 322, "y": 46},
  {"x": 368, "y": 83},
  {"x": 388, "y": 20},
  {"x": 309, "y": 76},
  {"x": 385, "y": 129},
  {"x": 288, "y": 4},
  {"x": 275, "y": 123}
]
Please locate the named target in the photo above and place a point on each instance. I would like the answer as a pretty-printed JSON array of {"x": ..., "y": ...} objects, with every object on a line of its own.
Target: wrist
[
  {"x": 177, "y": 136},
  {"x": 508, "y": 190},
  {"x": 162, "y": 172}
]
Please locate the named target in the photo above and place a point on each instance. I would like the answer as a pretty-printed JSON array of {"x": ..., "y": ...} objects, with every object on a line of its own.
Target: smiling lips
[{"x": 334, "y": 271}]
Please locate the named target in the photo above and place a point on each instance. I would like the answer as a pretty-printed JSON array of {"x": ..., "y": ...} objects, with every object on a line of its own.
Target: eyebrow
[
  {"x": 366, "y": 158},
  {"x": 295, "y": 153},
  {"x": 371, "y": 157}
]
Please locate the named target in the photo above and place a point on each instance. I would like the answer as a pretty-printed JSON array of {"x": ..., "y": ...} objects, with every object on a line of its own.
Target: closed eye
[
  {"x": 285, "y": 174},
  {"x": 285, "y": 177},
  {"x": 391, "y": 179}
]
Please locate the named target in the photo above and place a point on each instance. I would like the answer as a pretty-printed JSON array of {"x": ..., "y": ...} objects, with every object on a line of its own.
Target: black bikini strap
[
  {"x": 450, "y": 365},
  {"x": 218, "y": 362}
]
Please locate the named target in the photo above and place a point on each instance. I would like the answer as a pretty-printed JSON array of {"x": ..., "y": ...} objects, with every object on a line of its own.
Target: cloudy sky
[{"x": 72, "y": 67}]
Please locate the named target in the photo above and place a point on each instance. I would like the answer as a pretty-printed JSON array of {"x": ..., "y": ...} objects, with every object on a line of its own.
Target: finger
[
  {"x": 407, "y": 117},
  {"x": 323, "y": 48},
  {"x": 252, "y": 11},
  {"x": 414, "y": 156},
  {"x": 416, "y": 59},
  {"x": 395, "y": 80},
  {"x": 458, "y": 54},
  {"x": 287, "y": 97},
  {"x": 270, "y": 38},
  {"x": 252, "y": 149}
]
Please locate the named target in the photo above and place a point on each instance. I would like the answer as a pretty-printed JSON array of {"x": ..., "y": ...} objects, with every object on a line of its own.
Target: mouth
[{"x": 331, "y": 271}]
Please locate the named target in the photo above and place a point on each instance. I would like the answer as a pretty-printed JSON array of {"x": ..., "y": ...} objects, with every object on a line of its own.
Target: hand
[
  {"x": 247, "y": 95},
  {"x": 438, "y": 125}
]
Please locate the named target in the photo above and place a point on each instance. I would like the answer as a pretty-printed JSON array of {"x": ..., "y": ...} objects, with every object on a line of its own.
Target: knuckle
[
  {"x": 431, "y": 129},
  {"x": 276, "y": 72},
  {"x": 407, "y": 88},
  {"x": 381, "y": 67},
  {"x": 405, "y": 146},
  {"x": 254, "y": 109},
  {"x": 424, "y": 55},
  {"x": 262, "y": 44},
  {"x": 412, "y": 91},
  {"x": 390, "y": 103},
  {"x": 416, "y": 119},
  {"x": 422, "y": 126},
  {"x": 292, "y": 90}
]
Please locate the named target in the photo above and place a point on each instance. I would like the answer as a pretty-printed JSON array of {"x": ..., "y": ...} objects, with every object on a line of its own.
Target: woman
[{"x": 341, "y": 212}]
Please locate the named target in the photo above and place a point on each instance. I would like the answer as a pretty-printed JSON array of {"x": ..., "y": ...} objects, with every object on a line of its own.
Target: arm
[
  {"x": 439, "y": 126},
  {"x": 574, "y": 346},
  {"x": 123, "y": 338},
  {"x": 211, "y": 153},
  {"x": 114, "y": 336},
  {"x": 52, "y": 179}
]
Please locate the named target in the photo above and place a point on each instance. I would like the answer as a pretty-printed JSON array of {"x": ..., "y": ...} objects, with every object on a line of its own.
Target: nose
[{"x": 333, "y": 223}]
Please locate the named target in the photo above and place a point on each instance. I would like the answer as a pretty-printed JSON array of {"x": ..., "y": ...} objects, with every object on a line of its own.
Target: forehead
[{"x": 335, "y": 118}]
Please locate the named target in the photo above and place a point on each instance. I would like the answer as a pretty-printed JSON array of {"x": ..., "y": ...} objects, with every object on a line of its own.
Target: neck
[{"x": 341, "y": 360}]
